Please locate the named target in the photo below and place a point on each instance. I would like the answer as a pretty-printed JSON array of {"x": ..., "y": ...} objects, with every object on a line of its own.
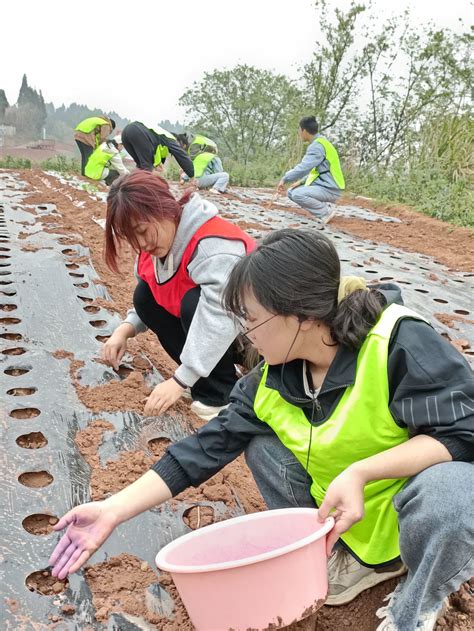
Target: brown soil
[
  {"x": 35, "y": 440},
  {"x": 35, "y": 479},
  {"x": 10, "y": 321},
  {"x": 158, "y": 446},
  {"x": 39, "y": 524},
  {"x": 117, "y": 474},
  {"x": 21, "y": 392},
  {"x": 61, "y": 354},
  {"x": 11, "y": 336},
  {"x": 45, "y": 584},
  {"x": 34, "y": 248},
  {"x": 417, "y": 233},
  {"x": 113, "y": 580},
  {"x": 16, "y": 372},
  {"x": 23, "y": 413},
  {"x": 18, "y": 350}
]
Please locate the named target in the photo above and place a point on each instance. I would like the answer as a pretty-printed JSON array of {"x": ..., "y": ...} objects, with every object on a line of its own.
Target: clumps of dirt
[
  {"x": 120, "y": 584},
  {"x": 126, "y": 395},
  {"x": 460, "y": 614},
  {"x": 117, "y": 474},
  {"x": 181, "y": 621},
  {"x": 198, "y": 516},
  {"x": 33, "y": 440},
  {"x": 214, "y": 490},
  {"x": 62, "y": 354},
  {"x": 89, "y": 439},
  {"x": 35, "y": 479},
  {"x": 39, "y": 524},
  {"x": 23, "y": 235},
  {"x": 34, "y": 248},
  {"x": 158, "y": 446},
  {"x": 45, "y": 584},
  {"x": 449, "y": 319},
  {"x": 460, "y": 345}
]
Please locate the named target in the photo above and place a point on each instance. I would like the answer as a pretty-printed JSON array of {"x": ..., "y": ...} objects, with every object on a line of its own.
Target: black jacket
[
  {"x": 141, "y": 143},
  {"x": 431, "y": 392}
]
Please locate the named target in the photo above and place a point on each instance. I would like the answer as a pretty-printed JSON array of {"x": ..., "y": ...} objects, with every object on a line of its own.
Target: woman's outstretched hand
[
  {"x": 88, "y": 526},
  {"x": 163, "y": 396},
  {"x": 344, "y": 500}
]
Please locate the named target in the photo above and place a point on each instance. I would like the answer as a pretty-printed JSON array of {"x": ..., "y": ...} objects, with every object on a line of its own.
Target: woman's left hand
[
  {"x": 344, "y": 500},
  {"x": 163, "y": 396}
]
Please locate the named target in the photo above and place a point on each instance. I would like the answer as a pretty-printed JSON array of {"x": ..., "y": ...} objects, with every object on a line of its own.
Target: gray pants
[
  {"x": 435, "y": 516},
  {"x": 313, "y": 198},
  {"x": 218, "y": 181}
]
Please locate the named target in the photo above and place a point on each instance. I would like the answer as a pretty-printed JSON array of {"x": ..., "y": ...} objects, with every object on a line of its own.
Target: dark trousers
[
  {"x": 112, "y": 176},
  {"x": 172, "y": 332},
  {"x": 86, "y": 153}
]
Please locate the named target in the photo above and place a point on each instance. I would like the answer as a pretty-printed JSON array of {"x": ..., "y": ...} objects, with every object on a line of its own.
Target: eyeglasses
[{"x": 245, "y": 331}]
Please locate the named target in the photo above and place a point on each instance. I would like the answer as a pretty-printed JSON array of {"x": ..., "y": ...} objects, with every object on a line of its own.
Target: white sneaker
[
  {"x": 348, "y": 578},
  {"x": 426, "y": 622},
  {"x": 206, "y": 412}
]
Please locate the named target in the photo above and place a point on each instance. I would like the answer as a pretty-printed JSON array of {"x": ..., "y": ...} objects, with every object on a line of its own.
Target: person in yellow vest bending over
[
  {"x": 105, "y": 163},
  {"x": 149, "y": 148},
  {"x": 208, "y": 169},
  {"x": 359, "y": 408},
  {"x": 320, "y": 172},
  {"x": 90, "y": 133}
]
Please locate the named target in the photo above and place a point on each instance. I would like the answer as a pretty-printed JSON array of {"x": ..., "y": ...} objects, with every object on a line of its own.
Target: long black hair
[{"x": 297, "y": 272}]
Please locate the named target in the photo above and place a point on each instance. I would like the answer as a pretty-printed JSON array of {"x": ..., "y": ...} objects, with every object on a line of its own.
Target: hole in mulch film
[
  {"x": 461, "y": 311},
  {"x": 43, "y": 583},
  {"x": 35, "y": 479},
  {"x": 33, "y": 440},
  {"x": 92, "y": 309},
  {"x": 16, "y": 371},
  {"x": 17, "y": 350},
  {"x": 102, "y": 338},
  {"x": 98, "y": 324},
  {"x": 72, "y": 265},
  {"x": 85, "y": 299},
  {"x": 198, "y": 516},
  {"x": 39, "y": 524},
  {"x": 82, "y": 285},
  {"x": 68, "y": 251},
  {"x": 8, "y": 307},
  {"x": 11, "y": 336},
  {"x": 25, "y": 413},
  {"x": 21, "y": 392},
  {"x": 441, "y": 300}
]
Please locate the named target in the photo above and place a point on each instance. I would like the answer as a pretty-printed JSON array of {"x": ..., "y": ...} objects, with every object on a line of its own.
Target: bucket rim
[{"x": 165, "y": 565}]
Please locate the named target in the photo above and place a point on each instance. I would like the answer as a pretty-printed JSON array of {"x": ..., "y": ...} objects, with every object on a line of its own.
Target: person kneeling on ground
[
  {"x": 185, "y": 254},
  {"x": 105, "y": 163},
  {"x": 360, "y": 408},
  {"x": 322, "y": 170},
  {"x": 208, "y": 169}
]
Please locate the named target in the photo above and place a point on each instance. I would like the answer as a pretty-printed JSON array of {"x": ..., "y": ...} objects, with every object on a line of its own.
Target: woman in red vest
[{"x": 185, "y": 254}]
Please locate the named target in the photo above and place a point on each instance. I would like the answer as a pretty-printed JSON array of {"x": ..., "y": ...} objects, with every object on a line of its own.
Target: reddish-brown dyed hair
[{"x": 138, "y": 197}]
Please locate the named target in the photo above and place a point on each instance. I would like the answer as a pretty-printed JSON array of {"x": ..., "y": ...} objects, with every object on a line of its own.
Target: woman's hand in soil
[
  {"x": 163, "y": 396},
  {"x": 344, "y": 500},
  {"x": 114, "y": 349},
  {"x": 89, "y": 526}
]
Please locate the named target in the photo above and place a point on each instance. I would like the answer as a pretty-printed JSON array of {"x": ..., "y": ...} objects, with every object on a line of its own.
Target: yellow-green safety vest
[
  {"x": 161, "y": 152},
  {"x": 89, "y": 124},
  {"x": 360, "y": 426},
  {"x": 201, "y": 162},
  {"x": 334, "y": 165},
  {"x": 205, "y": 143},
  {"x": 97, "y": 162}
]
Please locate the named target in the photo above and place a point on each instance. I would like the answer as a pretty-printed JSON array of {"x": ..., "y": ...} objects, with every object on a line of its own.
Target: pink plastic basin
[{"x": 251, "y": 571}]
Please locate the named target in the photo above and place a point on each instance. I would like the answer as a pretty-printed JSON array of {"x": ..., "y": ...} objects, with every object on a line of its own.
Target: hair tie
[{"x": 349, "y": 284}]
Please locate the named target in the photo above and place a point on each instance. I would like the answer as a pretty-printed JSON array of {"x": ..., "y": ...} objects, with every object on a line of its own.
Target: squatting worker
[
  {"x": 185, "y": 254},
  {"x": 320, "y": 173},
  {"x": 149, "y": 148},
  {"x": 360, "y": 408},
  {"x": 208, "y": 169},
  {"x": 90, "y": 134}
]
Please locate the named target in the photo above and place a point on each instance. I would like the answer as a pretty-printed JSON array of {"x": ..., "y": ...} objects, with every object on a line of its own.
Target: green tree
[
  {"x": 3, "y": 105},
  {"x": 246, "y": 110}
]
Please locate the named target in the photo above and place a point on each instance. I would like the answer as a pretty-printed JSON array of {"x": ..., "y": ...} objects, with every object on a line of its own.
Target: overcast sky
[{"x": 138, "y": 56}]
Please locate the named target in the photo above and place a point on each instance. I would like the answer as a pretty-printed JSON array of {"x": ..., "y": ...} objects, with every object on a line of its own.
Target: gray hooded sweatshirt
[{"x": 212, "y": 331}]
